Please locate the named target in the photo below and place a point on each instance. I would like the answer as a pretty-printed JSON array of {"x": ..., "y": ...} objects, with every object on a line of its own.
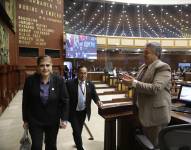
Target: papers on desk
[
  {"x": 110, "y": 97},
  {"x": 105, "y": 90},
  {"x": 116, "y": 104},
  {"x": 101, "y": 85}
]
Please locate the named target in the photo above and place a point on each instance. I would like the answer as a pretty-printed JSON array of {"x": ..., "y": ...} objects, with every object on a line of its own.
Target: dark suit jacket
[
  {"x": 34, "y": 111},
  {"x": 72, "y": 86}
]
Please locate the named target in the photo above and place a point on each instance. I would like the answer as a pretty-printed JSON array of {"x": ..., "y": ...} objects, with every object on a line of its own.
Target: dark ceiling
[{"x": 117, "y": 19}]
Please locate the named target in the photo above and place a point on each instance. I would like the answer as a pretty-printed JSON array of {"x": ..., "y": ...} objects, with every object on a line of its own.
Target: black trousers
[
  {"x": 37, "y": 133},
  {"x": 77, "y": 122}
]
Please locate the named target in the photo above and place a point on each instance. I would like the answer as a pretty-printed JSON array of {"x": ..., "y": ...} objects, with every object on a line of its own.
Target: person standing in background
[
  {"x": 152, "y": 92},
  {"x": 81, "y": 92},
  {"x": 45, "y": 105},
  {"x": 115, "y": 72},
  {"x": 73, "y": 73},
  {"x": 66, "y": 72}
]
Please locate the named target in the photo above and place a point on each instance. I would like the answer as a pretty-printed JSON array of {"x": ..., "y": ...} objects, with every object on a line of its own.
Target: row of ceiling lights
[{"x": 101, "y": 20}]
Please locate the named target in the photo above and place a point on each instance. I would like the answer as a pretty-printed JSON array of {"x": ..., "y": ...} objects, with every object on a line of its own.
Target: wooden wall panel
[
  {"x": 167, "y": 43},
  {"x": 139, "y": 42},
  {"x": 183, "y": 43},
  {"x": 113, "y": 41},
  {"x": 40, "y": 25},
  {"x": 130, "y": 61},
  {"x": 101, "y": 40},
  {"x": 127, "y": 42}
]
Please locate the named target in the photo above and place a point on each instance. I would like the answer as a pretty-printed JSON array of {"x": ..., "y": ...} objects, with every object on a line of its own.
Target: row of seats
[{"x": 175, "y": 137}]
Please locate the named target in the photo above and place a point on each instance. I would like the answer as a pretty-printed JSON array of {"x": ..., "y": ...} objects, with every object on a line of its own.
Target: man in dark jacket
[{"x": 81, "y": 93}]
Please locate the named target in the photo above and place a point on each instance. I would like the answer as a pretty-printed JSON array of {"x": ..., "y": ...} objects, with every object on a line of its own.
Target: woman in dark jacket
[{"x": 45, "y": 105}]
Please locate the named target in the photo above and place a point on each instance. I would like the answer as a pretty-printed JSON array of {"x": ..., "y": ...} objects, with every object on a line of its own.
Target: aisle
[{"x": 11, "y": 129}]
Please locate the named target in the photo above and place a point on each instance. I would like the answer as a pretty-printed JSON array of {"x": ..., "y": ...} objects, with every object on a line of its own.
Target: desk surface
[
  {"x": 116, "y": 108},
  {"x": 185, "y": 117},
  {"x": 110, "y": 97},
  {"x": 101, "y": 85},
  {"x": 182, "y": 116}
]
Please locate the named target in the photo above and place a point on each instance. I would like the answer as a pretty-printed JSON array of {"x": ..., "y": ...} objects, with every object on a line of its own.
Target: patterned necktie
[
  {"x": 135, "y": 96},
  {"x": 81, "y": 87},
  {"x": 139, "y": 78}
]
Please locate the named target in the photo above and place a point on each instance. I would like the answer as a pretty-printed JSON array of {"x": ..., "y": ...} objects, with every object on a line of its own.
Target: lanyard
[{"x": 83, "y": 91}]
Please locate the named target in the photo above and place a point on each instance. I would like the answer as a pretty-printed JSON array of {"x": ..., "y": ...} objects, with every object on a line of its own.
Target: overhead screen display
[
  {"x": 184, "y": 66},
  {"x": 81, "y": 46}
]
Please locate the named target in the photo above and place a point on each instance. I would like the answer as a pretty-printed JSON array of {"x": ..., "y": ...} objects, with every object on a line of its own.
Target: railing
[{"x": 11, "y": 80}]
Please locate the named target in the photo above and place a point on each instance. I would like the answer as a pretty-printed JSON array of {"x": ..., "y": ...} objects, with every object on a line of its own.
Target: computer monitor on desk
[
  {"x": 184, "y": 100},
  {"x": 185, "y": 95}
]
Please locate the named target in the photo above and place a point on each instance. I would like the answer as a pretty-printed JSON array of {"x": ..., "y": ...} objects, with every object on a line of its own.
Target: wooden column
[{"x": 110, "y": 134}]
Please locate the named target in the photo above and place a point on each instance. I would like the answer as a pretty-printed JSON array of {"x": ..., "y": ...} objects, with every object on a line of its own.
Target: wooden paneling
[
  {"x": 136, "y": 42},
  {"x": 167, "y": 43},
  {"x": 127, "y": 42},
  {"x": 101, "y": 40},
  {"x": 39, "y": 24},
  {"x": 44, "y": 30},
  {"x": 181, "y": 43},
  {"x": 11, "y": 80},
  {"x": 130, "y": 61},
  {"x": 140, "y": 42},
  {"x": 113, "y": 41}
]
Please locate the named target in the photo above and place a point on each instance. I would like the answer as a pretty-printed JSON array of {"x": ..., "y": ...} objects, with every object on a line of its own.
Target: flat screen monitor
[
  {"x": 81, "y": 46},
  {"x": 184, "y": 66},
  {"x": 185, "y": 94}
]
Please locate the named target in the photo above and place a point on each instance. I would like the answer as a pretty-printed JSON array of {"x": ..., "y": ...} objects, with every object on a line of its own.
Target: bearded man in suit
[
  {"x": 81, "y": 92},
  {"x": 152, "y": 92}
]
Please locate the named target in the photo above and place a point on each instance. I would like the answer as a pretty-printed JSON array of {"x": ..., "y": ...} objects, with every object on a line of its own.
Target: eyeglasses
[{"x": 45, "y": 65}]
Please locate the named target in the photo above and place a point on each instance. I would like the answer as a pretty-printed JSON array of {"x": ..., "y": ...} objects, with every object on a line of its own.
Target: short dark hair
[
  {"x": 82, "y": 66},
  {"x": 40, "y": 58},
  {"x": 156, "y": 47}
]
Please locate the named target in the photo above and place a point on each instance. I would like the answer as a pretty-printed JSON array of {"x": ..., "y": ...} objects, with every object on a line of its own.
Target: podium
[{"x": 119, "y": 125}]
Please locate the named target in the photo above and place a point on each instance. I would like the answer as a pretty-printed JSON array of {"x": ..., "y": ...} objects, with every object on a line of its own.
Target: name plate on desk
[{"x": 116, "y": 108}]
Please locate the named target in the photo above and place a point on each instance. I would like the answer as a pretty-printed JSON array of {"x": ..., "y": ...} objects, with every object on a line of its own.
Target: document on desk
[
  {"x": 101, "y": 85},
  {"x": 105, "y": 90},
  {"x": 116, "y": 104},
  {"x": 111, "y": 96}
]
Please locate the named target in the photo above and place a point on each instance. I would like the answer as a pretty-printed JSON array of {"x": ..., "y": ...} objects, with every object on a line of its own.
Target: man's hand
[
  {"x": 63, "y": 124},
  {"x": 25, "y": 125},
  {"x": 127, "y": 78},
  {"x": 99, "y": 104}
]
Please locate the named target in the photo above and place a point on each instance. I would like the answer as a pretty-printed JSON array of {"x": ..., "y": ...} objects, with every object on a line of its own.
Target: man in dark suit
[
  {"x": 81, "y": 93},
  {"x": 45, "y": 105}
]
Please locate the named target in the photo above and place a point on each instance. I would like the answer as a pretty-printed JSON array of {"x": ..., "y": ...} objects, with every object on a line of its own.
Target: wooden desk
[
  {"x": 118, "y": 111},
  {"x": 95, "y": 76},
  {"x": 113, "y": 92},
  {"x": 112, "y": 80},
  {"x": 120, "y": 123},
  {"x": 179, "y": 117},
  {"x": 104, "y": 78}
]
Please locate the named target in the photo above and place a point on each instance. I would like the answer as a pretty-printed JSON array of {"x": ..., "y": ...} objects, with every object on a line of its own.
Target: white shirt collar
[{"x": 83, "y": 82}]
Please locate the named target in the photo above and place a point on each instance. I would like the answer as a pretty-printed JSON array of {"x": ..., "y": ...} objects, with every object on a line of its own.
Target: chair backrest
[{"x": 175, "y": 137}]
